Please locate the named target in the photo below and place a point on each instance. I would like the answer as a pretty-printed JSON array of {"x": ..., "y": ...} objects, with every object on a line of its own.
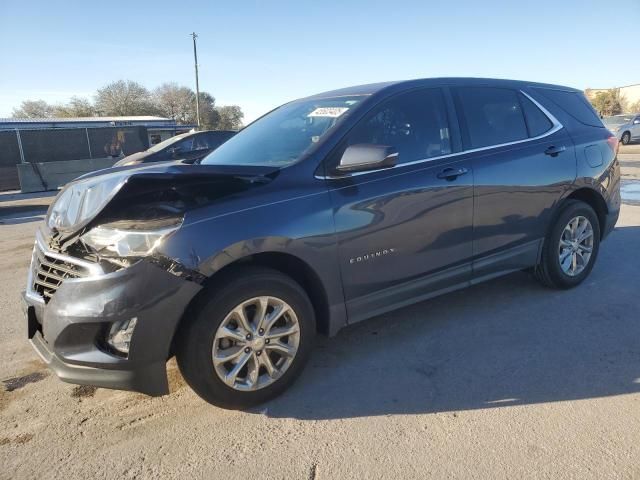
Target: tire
[
  {"x": 549, "y": 271},
  {"x": 626, "y": 138},
  {"x": 202, "y": 336}
]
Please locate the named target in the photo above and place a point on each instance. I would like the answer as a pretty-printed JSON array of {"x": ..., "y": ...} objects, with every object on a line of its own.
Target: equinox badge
[{"x": 372, "y": 255}]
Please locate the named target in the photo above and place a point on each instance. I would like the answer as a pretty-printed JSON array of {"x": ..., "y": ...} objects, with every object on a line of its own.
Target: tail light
[{"x": 613, "y": 143}]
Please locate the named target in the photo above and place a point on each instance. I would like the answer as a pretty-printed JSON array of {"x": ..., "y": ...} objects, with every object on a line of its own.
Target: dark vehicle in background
[
  {"x": 625, "y": 127},
  {"x": 329, "y": 210},
  {"x": 190, "y": 147}
]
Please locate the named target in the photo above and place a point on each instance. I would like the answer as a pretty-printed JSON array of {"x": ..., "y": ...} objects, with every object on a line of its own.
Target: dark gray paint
[{"x": 445, "y": 234}]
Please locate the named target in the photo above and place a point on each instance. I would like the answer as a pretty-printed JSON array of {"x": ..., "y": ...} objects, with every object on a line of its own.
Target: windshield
[
  {"x": 285, "y": 135},
  {"x": 159, "y": 146},
  {"x": 617, "y": 120}
]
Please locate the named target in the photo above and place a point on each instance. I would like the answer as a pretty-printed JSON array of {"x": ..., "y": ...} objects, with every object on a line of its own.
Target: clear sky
[{"x": 261, "y": 54}]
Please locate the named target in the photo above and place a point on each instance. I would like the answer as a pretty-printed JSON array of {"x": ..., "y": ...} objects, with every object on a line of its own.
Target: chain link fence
[
  {"x": 9, "y": 157},
  {"x": 63, "y": 144}
]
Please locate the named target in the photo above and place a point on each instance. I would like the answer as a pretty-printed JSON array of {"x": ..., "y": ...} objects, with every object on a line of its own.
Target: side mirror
[
  {"x": 366, "y": 156},
  {"x": 636, "y": 121}
]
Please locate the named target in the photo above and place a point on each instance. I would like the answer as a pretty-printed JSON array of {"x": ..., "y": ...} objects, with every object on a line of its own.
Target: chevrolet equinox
[{"x": 325, "y": 211}]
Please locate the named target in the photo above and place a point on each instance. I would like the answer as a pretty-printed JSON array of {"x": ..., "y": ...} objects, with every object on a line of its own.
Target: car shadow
[{"x": 502, "y": 343}]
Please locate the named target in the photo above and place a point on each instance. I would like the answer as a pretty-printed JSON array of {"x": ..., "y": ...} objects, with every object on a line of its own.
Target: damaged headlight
[
  {"x": 82, "y": 200},
  {"x": 112, "y": 241}
]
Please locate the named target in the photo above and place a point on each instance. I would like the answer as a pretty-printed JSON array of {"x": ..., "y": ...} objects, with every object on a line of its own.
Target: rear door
[
  {"x": 523, "y": 160},
  {"x": 404, "y": 231}
]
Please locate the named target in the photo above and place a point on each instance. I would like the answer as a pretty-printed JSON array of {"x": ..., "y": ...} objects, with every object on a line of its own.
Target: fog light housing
[{"x": 120, "y": 334}]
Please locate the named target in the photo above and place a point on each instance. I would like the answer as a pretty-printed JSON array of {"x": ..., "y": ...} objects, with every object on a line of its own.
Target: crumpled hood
[{"x": 82, "y": 200}]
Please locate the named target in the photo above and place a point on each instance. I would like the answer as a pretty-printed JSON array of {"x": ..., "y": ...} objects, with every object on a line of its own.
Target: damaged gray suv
[{"x": 326, "y": 211}]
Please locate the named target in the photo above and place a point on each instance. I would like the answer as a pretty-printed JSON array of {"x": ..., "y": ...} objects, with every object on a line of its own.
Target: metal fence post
[
  {"x": 86, "y": 130},
  {"x": 22, "y": 160}
]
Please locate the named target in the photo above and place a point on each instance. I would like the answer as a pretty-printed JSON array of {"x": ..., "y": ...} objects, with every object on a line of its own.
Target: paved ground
[{"x": 503, "y": 380}]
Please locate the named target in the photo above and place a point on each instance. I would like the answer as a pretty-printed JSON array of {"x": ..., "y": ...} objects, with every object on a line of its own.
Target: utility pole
[{"x": 195, "y": 60}]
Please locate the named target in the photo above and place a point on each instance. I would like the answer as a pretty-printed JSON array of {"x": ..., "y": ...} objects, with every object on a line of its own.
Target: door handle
[
  {"x": 451, "y": 174},
  {"x": 555, "y": 151}
]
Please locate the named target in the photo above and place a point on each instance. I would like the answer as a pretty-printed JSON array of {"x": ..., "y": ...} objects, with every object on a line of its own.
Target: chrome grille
[
  {"x": 49, "y": 273},
  {"x": 50, "y": 268}
]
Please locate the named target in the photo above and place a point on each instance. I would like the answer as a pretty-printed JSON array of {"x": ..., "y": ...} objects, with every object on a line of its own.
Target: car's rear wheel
[
  {"x": 248, "y": 340},
  {"x": 626, "y": 138},
  {"x": 570, "y": 248}
]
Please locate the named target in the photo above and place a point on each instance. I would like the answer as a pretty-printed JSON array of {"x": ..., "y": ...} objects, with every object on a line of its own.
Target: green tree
[
  {"x": 128, "y": 98},
  {"x": 76, "y": 107},
  {"x": 607, "y": 102},
  {"x": 179, "y": 102},
  {"x": 229, "y": 117},
  {"x": 34, "y": 109},
  {"x": 208, "y": 113},
  {"x": 634, "y": 107},
  {"x": 124, "y": 98},
  {"x": 176, "y": 102}
]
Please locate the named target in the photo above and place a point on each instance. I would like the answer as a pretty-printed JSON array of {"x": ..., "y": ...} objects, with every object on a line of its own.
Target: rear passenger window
[
  {"x": 492, "y": 115},
  {"x": 537, "y": 121},
  {"x": 415, "y": 123}
]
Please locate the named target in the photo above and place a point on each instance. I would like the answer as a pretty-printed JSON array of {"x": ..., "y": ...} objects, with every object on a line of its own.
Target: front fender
[{"x": 302, "y": 227}]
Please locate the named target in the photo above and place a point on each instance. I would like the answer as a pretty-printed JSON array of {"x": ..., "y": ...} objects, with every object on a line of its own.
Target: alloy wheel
[
  {"x": 576, "y": 246},
  {"x": 256, "y": 343}
]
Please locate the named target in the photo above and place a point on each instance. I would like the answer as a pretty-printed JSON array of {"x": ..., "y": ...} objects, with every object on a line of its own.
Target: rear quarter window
[
  {"x": 537, "y": 122},
  {"x": 575, "y": 104}
]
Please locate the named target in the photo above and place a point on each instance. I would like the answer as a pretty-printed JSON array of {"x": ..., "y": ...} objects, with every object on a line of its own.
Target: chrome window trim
[{"x": 555, "y": 126}]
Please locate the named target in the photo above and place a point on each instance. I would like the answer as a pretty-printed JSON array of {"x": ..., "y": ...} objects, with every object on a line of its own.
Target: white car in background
[{"x": 625, "y": 127}]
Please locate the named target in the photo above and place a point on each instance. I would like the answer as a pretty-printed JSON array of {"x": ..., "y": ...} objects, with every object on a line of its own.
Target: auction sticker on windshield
[{"x": 332, "y": 112}]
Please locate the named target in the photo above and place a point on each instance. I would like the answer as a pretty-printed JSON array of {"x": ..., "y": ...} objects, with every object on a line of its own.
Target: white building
[{"x": 629, "y": 94}]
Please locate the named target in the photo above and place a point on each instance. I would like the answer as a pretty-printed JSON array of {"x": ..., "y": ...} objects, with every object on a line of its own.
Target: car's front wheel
[
  {"x": 571, "y": 247},
  {"x": 248, "y": 339},
  {"x": 626, "y": 138}
]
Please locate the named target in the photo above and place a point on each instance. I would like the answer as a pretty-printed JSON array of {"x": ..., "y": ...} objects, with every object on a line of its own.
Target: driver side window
[{"x": 414, "y": 123}]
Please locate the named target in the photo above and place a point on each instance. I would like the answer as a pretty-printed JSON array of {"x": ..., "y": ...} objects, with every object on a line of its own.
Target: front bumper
[{"x": 69, "y": 331}]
